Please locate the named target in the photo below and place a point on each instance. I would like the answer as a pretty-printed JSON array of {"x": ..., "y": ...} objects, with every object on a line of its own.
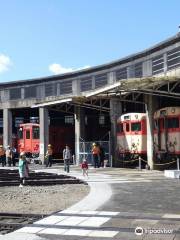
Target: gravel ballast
[{"x": 41, "y": 199}]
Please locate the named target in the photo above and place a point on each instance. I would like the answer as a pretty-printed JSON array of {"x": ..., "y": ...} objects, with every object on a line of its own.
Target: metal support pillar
[
  {"x": 150, "y": 109},
  {"x": 44, "y": 131},
  {"x": 79, "y": 130},
  {"x": 115, "y": 113},
  {"x": 7, "y": 127}
]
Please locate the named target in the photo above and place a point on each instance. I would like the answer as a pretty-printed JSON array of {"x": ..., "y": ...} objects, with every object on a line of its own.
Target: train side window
[
  {"x": 20, "y": 133},
  {"x": 27, "y": 134},
  {"x": 135, "y": 126},
  {"x": 173, "y": 122},
  {"x": 127, "y": 127},
  {"x": 35, "y": 132}
]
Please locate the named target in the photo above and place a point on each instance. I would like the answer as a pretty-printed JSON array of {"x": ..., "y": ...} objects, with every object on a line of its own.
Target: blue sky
[{"x": 44, "y": 37}]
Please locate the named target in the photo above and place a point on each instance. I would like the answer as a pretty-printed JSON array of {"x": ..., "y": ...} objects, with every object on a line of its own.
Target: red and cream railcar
[
  {"x": 167, "y": 132},
  {"x": 132, "y": 135},
  {"x": 28, "y": 138}
]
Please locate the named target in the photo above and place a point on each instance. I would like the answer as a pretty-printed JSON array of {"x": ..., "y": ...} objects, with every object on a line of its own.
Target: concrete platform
[{"x": 172, "y": 173}]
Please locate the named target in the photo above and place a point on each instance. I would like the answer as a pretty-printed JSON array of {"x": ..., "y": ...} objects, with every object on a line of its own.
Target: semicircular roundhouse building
[{"x": 89, "y": 102}]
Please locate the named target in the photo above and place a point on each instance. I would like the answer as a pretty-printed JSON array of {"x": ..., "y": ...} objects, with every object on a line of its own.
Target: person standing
[
  {"x": 95, "y": 152},
  {"x": 84, "y": 167},
  {"x": 66, "y": 158},
  {"x": 23, "y": 169},
  {"x": 2, "y": 156},
  {"x": 48, "y": 157},
  {"x": 9, "y": 156},
  {"x": 101, "y": 156}
]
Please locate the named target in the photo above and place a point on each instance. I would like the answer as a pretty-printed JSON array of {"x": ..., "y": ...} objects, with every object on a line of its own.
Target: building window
[
  {"x": 121, "y": 74},
  {"x": 18, "y": 121},
  {"x": 49, "y": 90},
  {"x": 30, "y": 92},
  {"x": 100, "y": 80},
  {"x": 158, "y": 64},
  {"x": 66, "y": 87},
  {"x": 15, "y": 93},
  {"x": 86, "y": 84},
  {"x": 69, "y": 120},
  {"x": 173, "y": 58},
  {"x": 101, "y": 120},
  {"x": 86, "y": 120},
  {"x": 138, "y": 70}
]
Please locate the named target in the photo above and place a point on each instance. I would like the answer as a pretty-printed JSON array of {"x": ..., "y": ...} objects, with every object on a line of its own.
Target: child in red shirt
[{"x": 84, "y": 167}]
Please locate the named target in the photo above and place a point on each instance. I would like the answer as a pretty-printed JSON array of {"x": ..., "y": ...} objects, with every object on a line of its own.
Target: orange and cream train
[{"x": 132, "y": 134}]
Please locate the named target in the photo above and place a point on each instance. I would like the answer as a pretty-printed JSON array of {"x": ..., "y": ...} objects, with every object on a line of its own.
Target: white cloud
[
  {"x": 5, "y": 63},
  {"x": 56, "y": 68}
]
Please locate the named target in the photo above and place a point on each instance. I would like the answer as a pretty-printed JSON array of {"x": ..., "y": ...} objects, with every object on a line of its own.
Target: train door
[
  {"x": 159, "y": 133},
  {"x": 35, "y": 140},
  {"x": 28, "y": 138},
  {"x": 127, "y": 139}
]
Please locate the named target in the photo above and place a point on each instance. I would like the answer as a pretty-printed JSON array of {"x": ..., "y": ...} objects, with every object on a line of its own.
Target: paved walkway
[{"x": 120, "y": 200}]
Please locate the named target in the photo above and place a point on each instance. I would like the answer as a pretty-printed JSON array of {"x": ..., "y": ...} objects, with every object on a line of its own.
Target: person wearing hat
[
  {"x": 95, "y": 152},
  {"x": 48, "y": 156},
  {"x": 2, "y": 156},
  {"x": 9, "y": 156},
  {"x": 23, "y": 169}
]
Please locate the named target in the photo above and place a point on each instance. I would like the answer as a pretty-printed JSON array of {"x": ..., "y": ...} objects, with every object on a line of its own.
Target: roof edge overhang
[{"x": 45, "y": 104}]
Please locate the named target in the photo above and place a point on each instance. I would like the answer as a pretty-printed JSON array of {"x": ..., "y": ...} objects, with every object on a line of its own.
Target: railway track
[
  {"x": 10, "y": 222},
  {"x": 11, "y": 178}
]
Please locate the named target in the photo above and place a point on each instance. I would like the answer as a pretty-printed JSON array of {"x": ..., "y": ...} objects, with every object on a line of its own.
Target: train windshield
[
  {"x": 35, "y": 132},
  {"x": 136, "y": 127},
  {"x": 120, "y": 127},
  {"x": 173, "y": 122},
  {"x": 20, "y": 133}
]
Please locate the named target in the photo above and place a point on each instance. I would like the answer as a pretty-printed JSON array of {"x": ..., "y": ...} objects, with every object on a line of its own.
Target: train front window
[
  {"x": 120, "y": 128},
  {"x": 27, "y": 134},
  {"x": 135, "y": 127},
  {"x": 155, "y": 124},
  {"x": 173, "y": 122},
  {"x": 35, "y": 132},
  {"x": 20, "y": 133},
  {"x": 127, "y": 127}
]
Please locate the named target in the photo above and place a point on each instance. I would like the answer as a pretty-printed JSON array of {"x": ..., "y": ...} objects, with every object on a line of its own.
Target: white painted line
[
  {"x": 69, "y": 211},
  {"x": 98, "y": 233},
  {"x": 171, "y": 216},
  {"x": 94, "y": 221},
  {"x": 108, "y": 213},
  {"x": 88, "y": 212},
  {"x": 55, "y": 231},
  {"x": 51, "y": 220},
  {"x": 72, "y": 221},
  {"x": 78, "y": 232},
  {"x": 140, "y": 222},
  {"x": 29, "y": 230}
]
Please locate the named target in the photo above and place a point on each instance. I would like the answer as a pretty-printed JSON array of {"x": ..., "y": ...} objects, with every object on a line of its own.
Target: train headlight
[{"x": 173, "y": 110}]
